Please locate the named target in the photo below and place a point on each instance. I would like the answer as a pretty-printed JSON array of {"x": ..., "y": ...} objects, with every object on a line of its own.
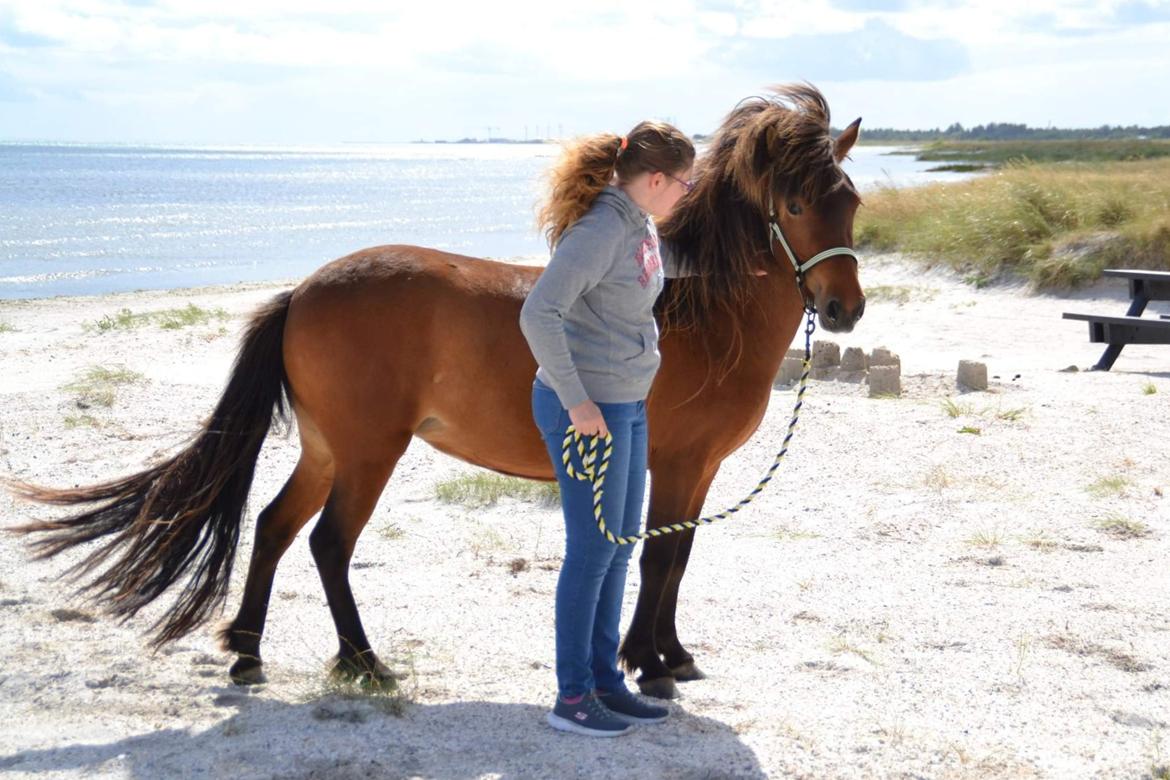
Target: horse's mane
[{"x": 780, "y": 145}]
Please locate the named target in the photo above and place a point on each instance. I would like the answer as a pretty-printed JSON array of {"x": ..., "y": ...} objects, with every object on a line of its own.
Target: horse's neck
[
  {"x": 772, "y": 318},
  {"x": 769, "y": 319}
]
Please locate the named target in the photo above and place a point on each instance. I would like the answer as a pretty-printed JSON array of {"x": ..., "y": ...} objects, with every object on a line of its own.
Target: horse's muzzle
[{"x": 836, "y": 317}]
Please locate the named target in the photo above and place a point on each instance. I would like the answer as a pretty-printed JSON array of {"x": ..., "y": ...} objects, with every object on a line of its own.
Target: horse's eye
[{"x": 794, "y": 208}]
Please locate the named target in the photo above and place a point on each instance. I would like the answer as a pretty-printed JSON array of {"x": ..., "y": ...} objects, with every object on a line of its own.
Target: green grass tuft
[
  {"x": 1108, "y": 486},
  {"x": 953, "y": 409},
  {"x": 392, "y": 532},
  {"x": 792, "y": 534},
  {"x": 1149, "y": 388},
  {"x": 167, "y": 319},
  {"x": 173, "y": 319},
  {"x": 986, "y": 538},
  {"x": 881, "y": 293},
  {"x": 841, "y": 645},
  {"x": 6, "y": 328},
  {"x": 971, "y": 429},
  {"x": 336, "y": 697},
  {"x": 1122, "y": 527},
  {"x": 477, "y": 490},
  {"x": 98, "y": 386},
  {"x": 81, "y": 421}
]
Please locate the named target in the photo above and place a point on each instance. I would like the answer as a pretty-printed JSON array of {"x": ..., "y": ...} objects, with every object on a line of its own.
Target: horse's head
[
  {"x": 788, "y": 164},
  {"x": 772, "y": 162},
  {"x": 819, "y": 238}
]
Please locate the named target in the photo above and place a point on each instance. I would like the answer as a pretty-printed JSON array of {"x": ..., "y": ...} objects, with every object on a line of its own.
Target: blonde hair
[{"x": 589, "y": 163}]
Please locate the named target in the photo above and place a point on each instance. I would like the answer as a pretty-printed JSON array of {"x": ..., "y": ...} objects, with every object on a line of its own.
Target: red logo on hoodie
[{"x": 648, "y": 259}]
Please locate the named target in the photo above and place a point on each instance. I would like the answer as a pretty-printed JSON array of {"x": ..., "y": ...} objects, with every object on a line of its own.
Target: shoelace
[{"x": 597, "y": 707}]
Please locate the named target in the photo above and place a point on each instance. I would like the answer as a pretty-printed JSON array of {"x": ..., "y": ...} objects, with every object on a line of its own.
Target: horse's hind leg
[
  {"x": 356, "y": 489},
  {"x": 301, "y": 497}
]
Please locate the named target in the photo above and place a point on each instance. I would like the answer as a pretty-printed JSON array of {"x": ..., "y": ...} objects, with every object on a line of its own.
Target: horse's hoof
[
  {"x": 365, "y": 670},
  {"x": 687, "y": 672},
  {"x": 658, "y": 688},
  {"x": 247, "y": 671}
]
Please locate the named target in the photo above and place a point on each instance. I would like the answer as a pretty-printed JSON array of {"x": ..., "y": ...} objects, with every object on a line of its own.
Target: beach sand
[{"x": 905, "y": 600}]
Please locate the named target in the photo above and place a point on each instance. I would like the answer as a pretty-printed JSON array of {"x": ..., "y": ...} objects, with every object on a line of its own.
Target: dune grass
[
  {"x": 6, "y": 328},
  {"x": 1058, "y": 225}
]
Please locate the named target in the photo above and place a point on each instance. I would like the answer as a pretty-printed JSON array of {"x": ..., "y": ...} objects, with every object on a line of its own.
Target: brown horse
[{"x": 398, "y": 341}]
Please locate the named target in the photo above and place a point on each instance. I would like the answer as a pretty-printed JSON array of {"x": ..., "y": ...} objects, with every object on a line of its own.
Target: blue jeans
[{"x": 593, "y": 576}]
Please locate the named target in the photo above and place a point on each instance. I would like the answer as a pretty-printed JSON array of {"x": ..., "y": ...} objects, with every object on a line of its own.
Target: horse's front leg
[
  {"x": 676, "y": 493},
  {"x": 676, "y": 658}
]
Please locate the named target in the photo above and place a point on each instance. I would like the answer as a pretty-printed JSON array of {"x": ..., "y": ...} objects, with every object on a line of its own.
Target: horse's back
[
  {"x": 403, "y": 337},
  {"x": 403, "y": 269}
]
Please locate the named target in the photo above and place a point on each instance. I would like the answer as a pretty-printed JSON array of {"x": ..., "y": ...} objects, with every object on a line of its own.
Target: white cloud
[{"x": 300, "y": 69}]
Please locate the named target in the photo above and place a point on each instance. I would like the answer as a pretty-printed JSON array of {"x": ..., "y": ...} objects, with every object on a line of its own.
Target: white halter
[{"x": 800, "y": 268}]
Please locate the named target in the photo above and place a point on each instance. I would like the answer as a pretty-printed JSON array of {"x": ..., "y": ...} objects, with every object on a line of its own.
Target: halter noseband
[{"x": 800, "y": 268}]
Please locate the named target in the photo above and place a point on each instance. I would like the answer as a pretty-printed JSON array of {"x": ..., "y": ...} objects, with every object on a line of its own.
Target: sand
[{"x": 906, "y": 600}]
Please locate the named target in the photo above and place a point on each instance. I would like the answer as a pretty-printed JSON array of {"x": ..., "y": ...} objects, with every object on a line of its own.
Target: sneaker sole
[
  {"x": 631, "y": 719},
  {"x": 560, "y": 724}
]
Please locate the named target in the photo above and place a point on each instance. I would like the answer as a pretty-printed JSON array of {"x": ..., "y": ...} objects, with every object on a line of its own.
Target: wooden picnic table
[{"x": 1133, "y": 328}]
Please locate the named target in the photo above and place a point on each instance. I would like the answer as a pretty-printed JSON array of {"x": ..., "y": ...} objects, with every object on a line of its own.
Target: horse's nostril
[
  {"x": 860, "y": 310},
  {"x": 833, "y": 310}
]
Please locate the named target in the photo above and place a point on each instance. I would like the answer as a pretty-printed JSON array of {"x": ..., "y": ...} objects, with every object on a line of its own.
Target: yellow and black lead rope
[{"x": 597, "y": 476}]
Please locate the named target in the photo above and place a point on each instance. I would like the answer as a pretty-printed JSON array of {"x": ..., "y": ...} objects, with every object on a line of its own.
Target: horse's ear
[{"x": 846, "y": 140}]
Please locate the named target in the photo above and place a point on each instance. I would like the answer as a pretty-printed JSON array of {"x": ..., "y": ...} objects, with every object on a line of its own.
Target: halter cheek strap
[{"x": 774, "y": 232}]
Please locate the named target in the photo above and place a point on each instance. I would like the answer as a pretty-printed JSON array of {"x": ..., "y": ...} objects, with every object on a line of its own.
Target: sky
[{"x": 366, "y": 71}]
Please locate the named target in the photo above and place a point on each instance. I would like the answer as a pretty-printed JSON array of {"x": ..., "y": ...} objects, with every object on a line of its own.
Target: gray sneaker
[
  {"x": 627, "y": 706},
  {"x": 588, "y": 716}
]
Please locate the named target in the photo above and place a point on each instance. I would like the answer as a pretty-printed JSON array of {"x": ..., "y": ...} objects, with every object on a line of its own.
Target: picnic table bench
[{"x": 1115, "y": 331}]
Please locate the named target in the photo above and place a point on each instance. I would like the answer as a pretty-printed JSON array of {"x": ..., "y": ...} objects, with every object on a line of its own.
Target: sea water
[{"x": 88, "y": 219}]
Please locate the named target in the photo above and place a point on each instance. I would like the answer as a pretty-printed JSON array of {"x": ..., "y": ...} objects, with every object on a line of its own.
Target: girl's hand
[{"x": 587, "y": 420}]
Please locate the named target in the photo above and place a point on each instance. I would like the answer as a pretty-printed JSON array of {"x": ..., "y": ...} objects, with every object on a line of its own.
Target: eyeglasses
[{"x": 687, "y": 185}]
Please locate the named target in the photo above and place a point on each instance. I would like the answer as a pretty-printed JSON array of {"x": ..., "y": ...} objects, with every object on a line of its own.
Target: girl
[{"x": 590, "y": 324}]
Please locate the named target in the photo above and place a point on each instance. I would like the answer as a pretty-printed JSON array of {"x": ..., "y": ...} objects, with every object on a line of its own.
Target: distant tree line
[{"x": 1009, "y": 131}]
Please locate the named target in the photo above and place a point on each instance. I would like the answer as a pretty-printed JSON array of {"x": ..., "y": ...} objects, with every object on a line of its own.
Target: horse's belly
[{"x": 509, "y": 449}]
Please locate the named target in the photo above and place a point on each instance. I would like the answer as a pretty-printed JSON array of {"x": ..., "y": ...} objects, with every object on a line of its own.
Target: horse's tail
[{"x": 182, "y": 516}]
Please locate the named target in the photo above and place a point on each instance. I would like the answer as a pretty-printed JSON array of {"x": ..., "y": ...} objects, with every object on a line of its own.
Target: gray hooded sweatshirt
[{"x": 589, "y": 319}]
